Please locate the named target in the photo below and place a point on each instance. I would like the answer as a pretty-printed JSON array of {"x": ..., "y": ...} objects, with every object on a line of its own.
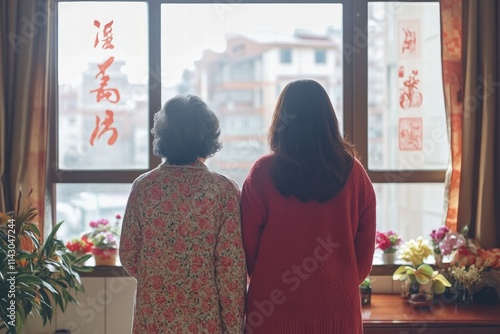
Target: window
[
  {"x": 320, "y": 56},
  {"x": 285, "y": 56},
  {"x": 378, "y": 59}
]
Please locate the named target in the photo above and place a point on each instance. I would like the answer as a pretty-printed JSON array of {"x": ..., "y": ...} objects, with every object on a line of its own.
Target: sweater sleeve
[
  {"x": 230, "y": 266},
  {"x": 364, "y": 242},
  {"x": 131, "y": 236},
  {"x": 252, "y": 221}
]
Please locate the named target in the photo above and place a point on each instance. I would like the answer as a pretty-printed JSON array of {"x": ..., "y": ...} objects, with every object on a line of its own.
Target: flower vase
[
  {"x": 438, "y": 258},
  {"x": 409, "y": 288},
  {"x": 464, "y": 296},
  {"x": 424, "y": 297},
  {"x": 388, "y": 258},
  {"x": 105, "y": 257}
]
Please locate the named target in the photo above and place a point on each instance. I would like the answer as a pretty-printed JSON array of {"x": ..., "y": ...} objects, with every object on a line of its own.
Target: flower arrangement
[
  {"x": 103, "y": 234},
  {"x": 415, "y": 251},
  {"x": 466, "y": 277},
  {"x": 388, "y": 242},
  {"x": 422, "y": 275},
  {"x": 437, "y": 237},
  {"x": 465, "y": 251},
  {"x": 79, "y": 245}
]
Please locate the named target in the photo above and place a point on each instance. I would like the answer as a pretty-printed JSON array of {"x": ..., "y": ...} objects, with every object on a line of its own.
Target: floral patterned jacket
[{"x": 181, "y": 240}]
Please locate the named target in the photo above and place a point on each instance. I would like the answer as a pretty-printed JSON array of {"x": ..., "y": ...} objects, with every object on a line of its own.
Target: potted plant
[
  {"x": 365, "y": 291},
  {"x": 427, "y": 281},
  {"x": 388, "y": 243},
  {"x": 437, "y": 237},
  {"x": 35, "y": 276},
  {"x": 105, "y": 238}
]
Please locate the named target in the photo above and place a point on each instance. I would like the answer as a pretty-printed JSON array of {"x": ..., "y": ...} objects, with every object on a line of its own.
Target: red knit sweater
[{"x": 306, "y": 260}]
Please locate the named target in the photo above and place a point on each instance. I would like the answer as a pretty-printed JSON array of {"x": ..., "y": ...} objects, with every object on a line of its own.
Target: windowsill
[{"x": 379, "y": 269}]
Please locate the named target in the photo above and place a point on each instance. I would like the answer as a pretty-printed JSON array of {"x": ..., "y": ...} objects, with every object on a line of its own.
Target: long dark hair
[{"x": 313, "y": 161}]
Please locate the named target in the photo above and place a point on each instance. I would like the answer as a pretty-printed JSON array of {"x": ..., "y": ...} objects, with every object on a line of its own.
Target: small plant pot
[
  {"x": 366, "y": 295},
  {"x": 104, "y": 257},
  {"x": 389, "y": 258}
]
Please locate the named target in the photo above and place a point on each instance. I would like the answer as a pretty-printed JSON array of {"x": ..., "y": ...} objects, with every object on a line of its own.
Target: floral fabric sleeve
[
  {"x": 131, "y": 236},
  {"x": 230, "y": 267}
]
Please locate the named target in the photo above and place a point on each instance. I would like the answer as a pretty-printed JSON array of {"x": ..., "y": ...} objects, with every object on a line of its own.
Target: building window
[
  {"x": 320, "y": 56},
  {"x": 400, "y": 130},
  {"x": 285, "y": 56}
]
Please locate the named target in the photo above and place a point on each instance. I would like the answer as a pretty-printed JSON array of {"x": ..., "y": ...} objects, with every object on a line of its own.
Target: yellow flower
[{"x": 416, "y": 251}]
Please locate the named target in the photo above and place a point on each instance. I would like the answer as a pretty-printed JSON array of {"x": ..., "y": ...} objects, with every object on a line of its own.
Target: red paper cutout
[
  {"x": 410, "y": 134},
  {"x": 102, "y": 128}
]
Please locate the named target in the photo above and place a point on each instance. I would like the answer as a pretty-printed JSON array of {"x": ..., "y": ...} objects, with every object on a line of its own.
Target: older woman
[
  {"x": 181, "y": 236},
  {"x": 308, "y": 217}
]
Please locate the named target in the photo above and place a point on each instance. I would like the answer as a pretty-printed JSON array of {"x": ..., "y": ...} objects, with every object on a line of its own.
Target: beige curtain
[
  {"x": 474, "y": 117},
  {"x": 24, "y": 99}
]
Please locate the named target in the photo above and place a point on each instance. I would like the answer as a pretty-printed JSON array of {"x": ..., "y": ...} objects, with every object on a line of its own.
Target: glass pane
[
  {"x": 406, "y": 115},
  {"x": 410, "y": 209},
  {"x": 238, "y": 58},
  {"x": 78, "y": 204},
  {"x": 103, "y": 92}
]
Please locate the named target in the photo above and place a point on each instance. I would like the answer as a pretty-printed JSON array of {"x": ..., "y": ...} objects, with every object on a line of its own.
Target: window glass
[
  {"x": 320, "y": 56},
  {"x": 232, "y": 58},
  {"x": 103, "y": 92},
  {"x": 410, "y": 209},
  {"x": 406, "y": 114},
  {"x": 78, "y": 204},
  {"x": 286, "y": 56}
]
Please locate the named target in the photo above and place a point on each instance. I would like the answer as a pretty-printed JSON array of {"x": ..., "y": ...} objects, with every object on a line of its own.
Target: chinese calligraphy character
[
  {"x": 409, "y": 42},
  {"x": 110, "y": 94},
  {"x": 409, "y": 96},
  {"x": 410, "y": 134},
  {"x": 107, "y": 34},
  {"x": 102, "y": 128}
]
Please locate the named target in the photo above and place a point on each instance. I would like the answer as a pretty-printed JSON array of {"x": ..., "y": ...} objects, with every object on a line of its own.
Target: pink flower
[
  {"x": 118, "y": 216},
  {"x": 193, "y": 328},
  {"x": 231, "y": 226},
  {"x": 180, "y": 298},
  {"x": 157, "y": 282},
  {"x": 103, "y": 222},
  {"x": 226, "y": 262},
  {"x": 387, "y": 242},
  {"x": 169, "y": 314},
  {"x": 212, "y": 326},
  {"x": 180, "y": 246},
  {"x": 195, "y": 286},
  {"x": 204, "y": 224},
  {"x": 439, "y": 234},
  {"x": 156, "y": 192},
  {"x": 159, "y": 223},
  {"x": 198, "y": 261},
  {"x": 451, "y": 242},
  {"x": 93, "y": 224},
  {"x": 173, "y": 265},
  {"x": 160, "y": 300}
]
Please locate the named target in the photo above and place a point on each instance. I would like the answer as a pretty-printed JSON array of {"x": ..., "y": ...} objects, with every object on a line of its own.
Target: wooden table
[{"x": 390, "y": 314}]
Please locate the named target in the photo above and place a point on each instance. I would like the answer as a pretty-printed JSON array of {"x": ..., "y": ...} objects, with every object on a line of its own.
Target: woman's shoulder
[
  {"x": 224, "y": 181},
  {"x": 359, "y": 170},
  {"x": 263, "y": 164}
]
